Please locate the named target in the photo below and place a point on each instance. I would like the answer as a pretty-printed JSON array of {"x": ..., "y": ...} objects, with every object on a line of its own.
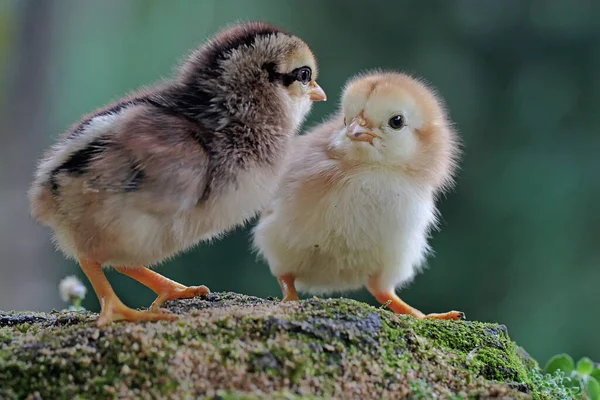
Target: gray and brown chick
[{"x": 157, "y": 172}]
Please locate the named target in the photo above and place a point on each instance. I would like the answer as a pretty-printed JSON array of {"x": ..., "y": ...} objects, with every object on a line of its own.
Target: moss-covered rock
[{"x": 231, "y": 346}]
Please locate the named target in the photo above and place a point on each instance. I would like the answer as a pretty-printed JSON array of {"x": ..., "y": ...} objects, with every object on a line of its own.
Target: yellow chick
[{"x": 356, "y": 200}]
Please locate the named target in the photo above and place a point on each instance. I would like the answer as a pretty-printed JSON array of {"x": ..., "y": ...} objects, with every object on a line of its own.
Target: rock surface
[{"x": 230, "y": 346}]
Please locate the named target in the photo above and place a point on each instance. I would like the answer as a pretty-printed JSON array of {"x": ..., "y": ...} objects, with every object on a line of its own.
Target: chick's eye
[
  {"x": 396, "y": 122},
  {"x": 304, "y": 75}
]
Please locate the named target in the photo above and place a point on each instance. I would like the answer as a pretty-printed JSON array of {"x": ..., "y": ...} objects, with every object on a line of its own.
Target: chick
[
  {"x": 356, "y": 200},
  {"x": 184, "y": 161}
]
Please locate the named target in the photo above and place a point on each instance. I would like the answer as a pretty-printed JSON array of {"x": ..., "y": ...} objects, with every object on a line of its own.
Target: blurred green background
[{"x": 519, "y": 239}]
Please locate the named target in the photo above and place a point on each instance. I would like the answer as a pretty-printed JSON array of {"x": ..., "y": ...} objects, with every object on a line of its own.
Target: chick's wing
[{"x": 155, "y": 159}]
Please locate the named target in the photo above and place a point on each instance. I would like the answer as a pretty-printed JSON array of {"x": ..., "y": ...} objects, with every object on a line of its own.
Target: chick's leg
[
  {"x": 400, "y": 307},
  {"x": 288, "y": 288},
  {"x": 112, "y": 309},
  {"x": 165, "y": 288}
]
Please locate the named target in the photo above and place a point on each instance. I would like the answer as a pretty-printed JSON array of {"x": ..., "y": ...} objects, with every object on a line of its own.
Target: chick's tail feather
[{"x": 43, "y": 203}]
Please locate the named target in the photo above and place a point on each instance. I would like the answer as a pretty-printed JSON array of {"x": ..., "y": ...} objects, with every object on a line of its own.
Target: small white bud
[{"x": 71, "y": 287}]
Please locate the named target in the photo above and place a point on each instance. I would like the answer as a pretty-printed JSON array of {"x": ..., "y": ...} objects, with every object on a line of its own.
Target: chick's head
[
  {"x": 255, "y": 67},
  {"x": 296, "y": 73},
  {"x": 393, "y": 120}
]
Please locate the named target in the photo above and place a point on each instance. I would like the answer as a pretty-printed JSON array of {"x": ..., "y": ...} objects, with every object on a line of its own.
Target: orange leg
[
  {"x": 165, "y": 288},
  {"x": 287, "y": 287},
  {"x": 112, "y": 309},
  {"x": 400, "y": 307}
]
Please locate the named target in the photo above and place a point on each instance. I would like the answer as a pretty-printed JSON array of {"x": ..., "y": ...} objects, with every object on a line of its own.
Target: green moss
[
  {"x": 6, "y": 334},
  {"x": 62, "y": 362},
  {"x": 486, "y": 345},
  {"x": 226, "y": 343}
]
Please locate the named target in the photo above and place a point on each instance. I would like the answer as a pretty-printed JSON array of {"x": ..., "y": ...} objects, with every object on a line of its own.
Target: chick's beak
[
  {"x": 357, "y": 131},
  {"x": 315, "y": 93}
]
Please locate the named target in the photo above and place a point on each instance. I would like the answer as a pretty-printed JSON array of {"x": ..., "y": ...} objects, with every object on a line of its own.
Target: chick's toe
[
  {"x": 165, "y": 288},
  {"x": 450, "y": 315},
  {"x": 114, "y": 310}
]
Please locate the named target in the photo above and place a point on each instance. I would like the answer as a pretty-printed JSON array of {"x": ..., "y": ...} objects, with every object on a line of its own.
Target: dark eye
[
  {"x": 304, "y": 75},
  {"x": 396, "y": 122}
]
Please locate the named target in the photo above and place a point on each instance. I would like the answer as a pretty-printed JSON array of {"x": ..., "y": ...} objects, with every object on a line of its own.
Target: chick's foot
[
  {"x": 112, "y": 307},
  {"x": 114, "y": 310},
  {"x": 400, "y": 307},
  {"x": 165, "y": 288},
  {"x": 288, "y": 287}
]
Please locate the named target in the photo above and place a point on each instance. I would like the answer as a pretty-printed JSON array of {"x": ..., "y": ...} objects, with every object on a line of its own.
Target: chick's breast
[{"x": 333, "y": 227}]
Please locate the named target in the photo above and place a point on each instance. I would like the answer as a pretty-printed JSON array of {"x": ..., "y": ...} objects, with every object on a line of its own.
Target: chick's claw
[
  {"x": 179, "y": 292},
  {"x": 450, "y": 315}
]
